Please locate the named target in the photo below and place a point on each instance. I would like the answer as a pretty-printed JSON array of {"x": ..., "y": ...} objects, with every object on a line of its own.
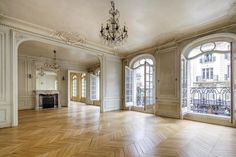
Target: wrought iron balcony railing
[{"x": 211, "y": 100}]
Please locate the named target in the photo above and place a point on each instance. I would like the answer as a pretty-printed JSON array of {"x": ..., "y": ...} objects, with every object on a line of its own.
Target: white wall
[
  {"x": 63, "y": 86},
  {"x": 112, "y": 83},
  {"x": 167, "y": 87}
]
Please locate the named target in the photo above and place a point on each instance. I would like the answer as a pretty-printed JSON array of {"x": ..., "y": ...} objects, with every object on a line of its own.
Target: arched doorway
[{"x": 34, "y": 60}]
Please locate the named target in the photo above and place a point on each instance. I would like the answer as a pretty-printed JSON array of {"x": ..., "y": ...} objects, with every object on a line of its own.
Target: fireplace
[{"x": 48, "y": 100}]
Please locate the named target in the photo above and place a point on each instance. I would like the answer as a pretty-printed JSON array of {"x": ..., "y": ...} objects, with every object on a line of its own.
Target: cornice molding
[
  {"x": 80, "y": 42},
  {"x": 62, "y": 37},
  {"x": 177, "y": 41}
]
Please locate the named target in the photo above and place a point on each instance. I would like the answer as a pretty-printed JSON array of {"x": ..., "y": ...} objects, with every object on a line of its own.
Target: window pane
[
  {"x": 94, "y": 87},
  {"x": 142, "y": 61},
  {"x": 136, "y": 64},
  {"x": 149, "y": 61},
  {"x": 151, "y": 70},
  {"x": 83, "y": 87},
  {"x": 222, "y": 46},
  {"x": 196, "y": 51},
  {"x": 143, "y": 81},
  {"x": 74, "y": 87}
]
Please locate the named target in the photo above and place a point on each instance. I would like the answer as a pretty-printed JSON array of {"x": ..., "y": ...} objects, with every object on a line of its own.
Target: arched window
[
  {"x": 206, "y": 79},
  {"x": 83, "y": 76},
  {"x": 139, "y": 82},
  {"x": 74, "y": 86}
]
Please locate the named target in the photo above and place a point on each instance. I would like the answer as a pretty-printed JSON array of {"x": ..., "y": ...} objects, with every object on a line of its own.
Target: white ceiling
[
  {"x": 38, "y": 49},
  {"x": 149, "y": 21}
]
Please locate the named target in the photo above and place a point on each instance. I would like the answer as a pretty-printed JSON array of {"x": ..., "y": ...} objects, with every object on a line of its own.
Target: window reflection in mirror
[{"x": 46, "y": 80}]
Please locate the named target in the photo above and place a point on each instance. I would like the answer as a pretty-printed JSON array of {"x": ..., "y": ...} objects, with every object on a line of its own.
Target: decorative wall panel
[
  {"x": 26, "y": 85},
  {"x": 166, "y": 77},
  {"x": 112, "y": 83},
  {"x": 3, "y": 116},
  {"x": 3, "y": 68},
  {"x": 5, "y": 78},
  {"x": 111, "y": 104},
  {"x": 167, "y": 83},
  {"x": 63, "y": 87}
]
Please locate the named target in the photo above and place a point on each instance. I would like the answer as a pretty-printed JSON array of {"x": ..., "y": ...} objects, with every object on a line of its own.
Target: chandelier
[
  {"x": 112, "y": 32},
  {"x": 54, "y": 66},
  {"x": 41, "y": 72}
]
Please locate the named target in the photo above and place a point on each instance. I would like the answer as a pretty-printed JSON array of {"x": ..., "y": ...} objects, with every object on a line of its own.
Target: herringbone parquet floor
[{"x": 81, "y": 131}]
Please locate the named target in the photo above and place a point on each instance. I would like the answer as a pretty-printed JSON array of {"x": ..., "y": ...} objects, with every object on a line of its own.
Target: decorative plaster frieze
[{"x": 70, "y": 38}]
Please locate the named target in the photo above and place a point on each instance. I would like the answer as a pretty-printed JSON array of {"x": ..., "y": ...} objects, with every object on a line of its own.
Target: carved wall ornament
[{"x": 71, "y": 38}]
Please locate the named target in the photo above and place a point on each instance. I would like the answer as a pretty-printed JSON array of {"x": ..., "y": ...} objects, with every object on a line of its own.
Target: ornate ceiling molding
[{"x": 70, "y": 38}]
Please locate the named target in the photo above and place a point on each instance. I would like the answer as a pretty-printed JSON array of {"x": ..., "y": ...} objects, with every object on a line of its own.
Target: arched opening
[
  {"x": 140, "y": 82},
  {"x": 36, "y": 73},
  {"x": 206, "y": 79}
]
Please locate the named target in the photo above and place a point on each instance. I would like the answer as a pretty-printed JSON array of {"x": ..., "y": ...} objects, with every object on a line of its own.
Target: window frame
[
  {"x": 74, "y": 86},
  {"x": 187, "y": 50},
  {"x": 83, "y": 85},
  {"x": 94, "y": 87},
  {"x": 146, "y": 57}
]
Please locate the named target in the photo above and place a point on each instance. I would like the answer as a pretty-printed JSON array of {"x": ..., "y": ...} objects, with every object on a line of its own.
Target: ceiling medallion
[
  {"x": 69, "y": 37},
  {"x": 112, "y": 33}
]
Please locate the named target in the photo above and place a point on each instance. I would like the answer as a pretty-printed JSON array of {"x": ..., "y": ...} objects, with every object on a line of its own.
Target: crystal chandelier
[
  {"x": 41, "y": 72},
  {"x": 54, "y": 66},
  {"x": 112, "y": 32}
]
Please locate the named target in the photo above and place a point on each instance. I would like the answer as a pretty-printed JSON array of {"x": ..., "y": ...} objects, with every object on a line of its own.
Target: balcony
[
  {"x": 201, "y": 79},
  {"x": 211, "y": 100}
]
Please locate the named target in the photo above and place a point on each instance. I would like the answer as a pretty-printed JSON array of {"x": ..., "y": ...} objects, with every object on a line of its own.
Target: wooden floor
[{"x": 81, "y": 131}]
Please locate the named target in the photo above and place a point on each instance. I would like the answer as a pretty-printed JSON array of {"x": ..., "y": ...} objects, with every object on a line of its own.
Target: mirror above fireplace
[{"x": 46, "y": 80}]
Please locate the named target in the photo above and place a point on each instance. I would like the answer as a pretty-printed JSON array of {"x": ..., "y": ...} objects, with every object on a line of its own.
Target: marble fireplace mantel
[{"x": 45, "y": 92}]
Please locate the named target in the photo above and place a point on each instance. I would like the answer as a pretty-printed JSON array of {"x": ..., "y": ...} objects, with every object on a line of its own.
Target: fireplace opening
[{"x": 48, "y": 100}]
